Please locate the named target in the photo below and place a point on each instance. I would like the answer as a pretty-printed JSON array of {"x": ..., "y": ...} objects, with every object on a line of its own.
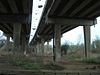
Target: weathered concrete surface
[
  {"x": 57, "y": 42},
  {"x": 87, "y": 39}
]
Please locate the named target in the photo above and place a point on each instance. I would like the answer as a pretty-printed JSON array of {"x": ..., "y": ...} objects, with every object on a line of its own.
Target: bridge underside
[
  {"x": 15, "y": 20},
  {"x": 60, "y": 16}
]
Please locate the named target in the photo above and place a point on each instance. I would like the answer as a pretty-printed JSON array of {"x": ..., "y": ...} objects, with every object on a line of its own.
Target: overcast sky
[{"x": 76, "y": 35}]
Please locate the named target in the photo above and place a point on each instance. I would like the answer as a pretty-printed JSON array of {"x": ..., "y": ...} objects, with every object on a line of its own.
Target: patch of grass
[
  {"x": 52, "y": 66},
  {"x": 38, "y": 66},
  {"x": 33, "y": 66},
  {"x": 25, "y": 63},
  {"x": 73, "y": 57},
  {"x": 91, "y": 60}
]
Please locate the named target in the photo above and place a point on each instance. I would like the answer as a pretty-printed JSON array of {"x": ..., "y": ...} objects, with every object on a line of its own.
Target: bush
[{"x": 64, "y": 49}]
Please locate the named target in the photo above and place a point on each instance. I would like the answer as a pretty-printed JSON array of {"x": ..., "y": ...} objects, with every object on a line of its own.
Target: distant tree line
[{"x": 66, "y": 47}]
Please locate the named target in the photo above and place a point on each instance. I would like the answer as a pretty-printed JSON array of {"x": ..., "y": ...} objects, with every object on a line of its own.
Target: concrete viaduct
[
  {"x": 60, "y": 16},
  {"x": 15, "y": 21}
]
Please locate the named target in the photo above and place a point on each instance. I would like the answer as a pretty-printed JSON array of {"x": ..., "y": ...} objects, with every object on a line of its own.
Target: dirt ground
[{"x": 4, "y": 64}]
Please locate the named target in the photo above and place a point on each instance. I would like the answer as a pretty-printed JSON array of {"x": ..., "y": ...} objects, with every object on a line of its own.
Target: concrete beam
[
  {"x": 90, "y": 9},
  {"x": 13, "y": 6},
  {"x": 81, "y": 6},
  {"x": 9, "y": 27},
  {"x": 92, "y": 14},
  {"x": 87, "y": 39},
  {"x": 27, "y": 6},
  {"x": 67, "y": 7},
  {"x": 14, "y": 18},
  {"x": 67, "y": 28},
  {"x": 54, "y": 6},
  {"x": 2, "y": 8},
  {"x": 67, "y": 21},
  {"x": 45, "y": 36},
  {"x": 4, "y": 29}
]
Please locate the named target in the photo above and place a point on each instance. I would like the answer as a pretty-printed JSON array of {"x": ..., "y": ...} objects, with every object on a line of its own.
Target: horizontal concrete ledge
[
  {"x": 14, "y": 18},
  {"x": 66, "y": 21}
]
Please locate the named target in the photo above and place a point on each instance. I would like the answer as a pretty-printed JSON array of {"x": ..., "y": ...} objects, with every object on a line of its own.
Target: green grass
[
  {"x": 91, "y": 60},
  {"x": 37, "y": 66},
  {"x": 73, "y": 57},
  {"x": 31, "y": 65},
  {"x": 25, "y": 63}
]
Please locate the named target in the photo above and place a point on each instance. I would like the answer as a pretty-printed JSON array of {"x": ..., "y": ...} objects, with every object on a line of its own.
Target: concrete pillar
[
  {"x": 16, "y": 37},
  {"x": 87, "y": 39},
  {"x": 48, "y": 45},
  {"x": 42, "y": 50},
  {"x": 38, "y": 48},
  {"x": 42, "y": 47},
  {"x": 26, "y": 48},
  {"x": 39, "y": 53},
  {"x": 35, "y": 50},
  {"x": 8, "y": 43},
  {"x": 23, "y": 43},
  {"x": 57, "y": 42}
]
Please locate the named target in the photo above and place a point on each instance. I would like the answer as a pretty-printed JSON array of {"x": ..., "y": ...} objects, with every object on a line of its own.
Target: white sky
[{"x": 76, "y": 35}]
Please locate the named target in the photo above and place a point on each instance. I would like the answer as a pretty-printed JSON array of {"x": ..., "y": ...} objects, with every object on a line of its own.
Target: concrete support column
[
  {"x": 57, "y": 42},
  {"x": 35, "y": 50},
  {"x": 26, "y": 48},
  {"x": 87, "y": 39},
  {"x": 42, "y": 50},
  {"x": 38, "y": 48},
  {"x": 39, "y": 53},
  {"x": 48, "y": 45},
  {"x": 16, "y": 37},
  {"x": 23, "y": 43},
  {"x": 42, "y": 47},
  {"x": 8, "y": 43}
]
